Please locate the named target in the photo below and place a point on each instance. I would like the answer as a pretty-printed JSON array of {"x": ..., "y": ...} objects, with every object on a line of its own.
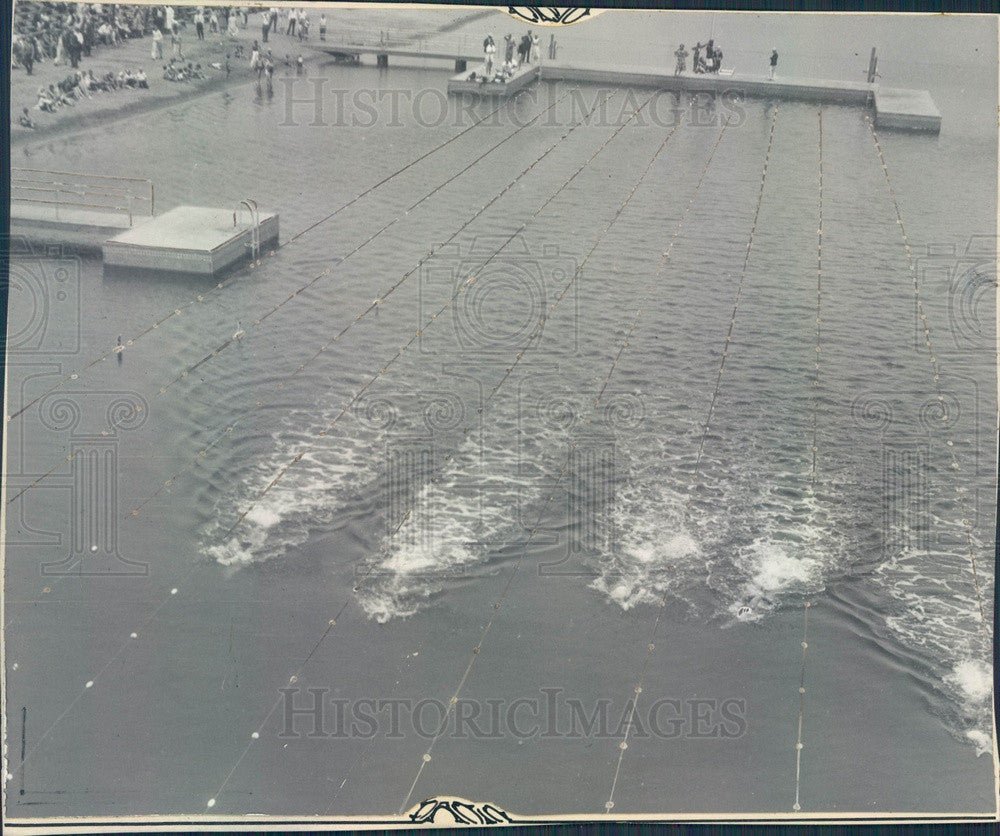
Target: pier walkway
[
  {"x": 894, "y": 107},
  {"x": 461, "y": 49}
]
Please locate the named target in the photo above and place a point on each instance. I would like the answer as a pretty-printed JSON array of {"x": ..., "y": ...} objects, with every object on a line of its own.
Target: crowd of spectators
[
  {"x": 177, "y": 70},
  {"x": 81, "y": 84},
  {"x": 69, "y": 32}
]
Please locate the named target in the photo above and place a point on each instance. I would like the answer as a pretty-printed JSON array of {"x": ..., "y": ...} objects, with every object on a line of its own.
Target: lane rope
[
  {"x": 960, "y": 490},
  {"x": 651, "y": 645},
  {"x": 134, "y": 635},
  {"x": 357, "y": 587},
  {"x": 797, "y": 806},
  {"x": 497, "y": 606},
  {"x": 201, "y": 297},
  {"x": 240, "y": 334}
]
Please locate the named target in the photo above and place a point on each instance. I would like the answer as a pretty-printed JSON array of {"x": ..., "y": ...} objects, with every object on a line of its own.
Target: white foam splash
[
  {"x": 642, "y": 574},
  {"x": 775, "y": 568},
  {"x": 974, "y": 679},
  {"x": 304, "y": 496},
  {"x": 452, "y": 527},
  {"x": 983, "y": 742}
]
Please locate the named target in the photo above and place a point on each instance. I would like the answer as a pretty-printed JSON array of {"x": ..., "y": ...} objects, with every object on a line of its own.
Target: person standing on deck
[
  {"x": 508, "y": 48},
  {"x": 322, "y": 27},
  {"x": 682, "y": 55},
  {"x": 265, "y": 26},
  {"x": 536, "y": 52},
  {"x": 255, "y": 61},
  {"x": 489, "y": 49},
  {"x": 199, "y": 23},
  {"x": 175, "y": 42},
  {"x": 717, "y": 60},
  {"x": 157, "y": 49},
  {"x": 774, "y": 62},
  {"x": 290, "y": 29}
]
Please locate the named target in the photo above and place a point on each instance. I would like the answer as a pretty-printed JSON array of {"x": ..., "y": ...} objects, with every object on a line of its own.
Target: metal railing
[{"x": 74, "y": 190}]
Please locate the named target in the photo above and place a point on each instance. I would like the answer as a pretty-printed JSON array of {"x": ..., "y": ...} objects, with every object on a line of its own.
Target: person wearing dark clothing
[
  {"x": 73, "y": 46},
  {"x": 774, "y": 62},
  {"x": 89, "y": 31},
  {"x": 26, "y": 54}
]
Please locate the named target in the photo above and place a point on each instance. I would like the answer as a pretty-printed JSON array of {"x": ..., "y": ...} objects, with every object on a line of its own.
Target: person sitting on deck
[
  {"x": 172, "y": 72},
  {"x": 46, "y": 101},
  {"x": 61, "y": 97},
  {"x": 88, "y": 83},
  {"x": 682, "y": 55},
  {"x": 107, "y": 35},
  {"x": 24, "y": 120}
]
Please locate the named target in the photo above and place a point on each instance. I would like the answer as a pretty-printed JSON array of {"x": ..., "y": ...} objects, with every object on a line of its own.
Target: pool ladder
[{"x": 254, "y": 211}]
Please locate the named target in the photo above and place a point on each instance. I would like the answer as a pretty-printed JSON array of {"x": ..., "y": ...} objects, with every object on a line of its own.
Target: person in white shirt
[{"x": 489, "y": 49}]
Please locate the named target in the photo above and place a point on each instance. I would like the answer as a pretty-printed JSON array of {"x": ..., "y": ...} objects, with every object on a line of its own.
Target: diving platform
[{"x": 193, "y": 240}]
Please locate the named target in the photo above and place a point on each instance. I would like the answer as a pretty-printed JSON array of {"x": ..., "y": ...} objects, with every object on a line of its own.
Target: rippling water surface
[{"x": 564, "y": 469}]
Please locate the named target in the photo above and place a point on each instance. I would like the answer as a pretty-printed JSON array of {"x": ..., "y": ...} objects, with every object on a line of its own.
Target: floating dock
[
  {"x": 81, "y": 228},
  {"x": 894, "y": 107},
  {"x": 192, "y": 239},
  {"x": 473, "y": 82},
  {"x": 907, "y": 109}
]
